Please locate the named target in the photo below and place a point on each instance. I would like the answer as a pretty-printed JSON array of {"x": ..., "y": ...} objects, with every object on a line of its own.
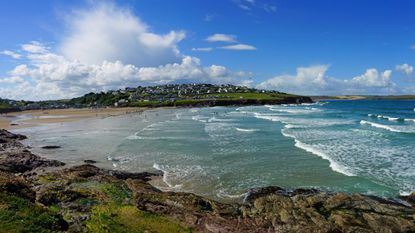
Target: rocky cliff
[{"x": 40, "y": 195}]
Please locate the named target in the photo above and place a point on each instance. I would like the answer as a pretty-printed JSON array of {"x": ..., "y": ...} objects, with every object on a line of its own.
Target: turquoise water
[{"x": 220, "y": 152}]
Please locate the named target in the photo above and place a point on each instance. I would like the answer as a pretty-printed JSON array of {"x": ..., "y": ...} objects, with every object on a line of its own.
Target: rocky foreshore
[{"x": 41, "y": 195}]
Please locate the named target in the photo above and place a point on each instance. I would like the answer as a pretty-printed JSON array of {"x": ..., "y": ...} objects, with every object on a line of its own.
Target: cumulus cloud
[
  {"x": 11, "y": 54},
  {"x": 238, "y": 47},
  {"x": 405, "y": 68},
  {"x": 372, "y": 78},
  {"x": 313, "y": 80},
  {"x": 54, "y": 76},
  {"x": 221, "y": 38},
  {"x": 107, "y": 32},
  {"x": 12, "y": 80},
  {"x": 107, "y": 47},
  {"x": 305, "y": 80}
]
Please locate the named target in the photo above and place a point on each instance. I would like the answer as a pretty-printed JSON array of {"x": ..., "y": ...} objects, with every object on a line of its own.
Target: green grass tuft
[
  {"x": 20, "y": 215},
  {"x": 128, "y": 219}
]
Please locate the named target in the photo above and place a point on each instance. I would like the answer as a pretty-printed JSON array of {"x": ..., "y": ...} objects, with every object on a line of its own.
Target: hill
[{"x": 169, "y": 95}]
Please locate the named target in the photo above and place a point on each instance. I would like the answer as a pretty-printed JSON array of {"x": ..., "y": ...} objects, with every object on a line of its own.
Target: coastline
[
  {"x": 44, "y": 116},
  {"x": 88, "y": 198}
]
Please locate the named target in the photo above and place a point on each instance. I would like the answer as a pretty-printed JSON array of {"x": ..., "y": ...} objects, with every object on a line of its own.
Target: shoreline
[
  {"x": 31, "y": 118},
  {"x": 42, "y": 116},
  {"x": 86, "y": 197}
]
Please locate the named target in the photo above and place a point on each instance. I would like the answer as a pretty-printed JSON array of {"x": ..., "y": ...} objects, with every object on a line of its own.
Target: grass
[
  {"x": 256, "y": 96},
  {"x": 203, "y": 99},
  {"x": 20, "y": 215},
  {"x": 128, "y": 219},
  {"x": 5, "y": 106},
  {"x": 117, "y": 193},
  {"x": 46, "y": 178},
  {"x": 116, "y": 213}
]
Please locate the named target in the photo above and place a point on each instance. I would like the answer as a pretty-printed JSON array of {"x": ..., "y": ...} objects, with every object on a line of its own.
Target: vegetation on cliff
[{"x": 164, "y": 95}]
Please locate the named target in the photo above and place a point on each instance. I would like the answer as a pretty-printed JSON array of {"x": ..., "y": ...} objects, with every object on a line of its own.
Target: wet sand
[{"x": 39, "y": 117}]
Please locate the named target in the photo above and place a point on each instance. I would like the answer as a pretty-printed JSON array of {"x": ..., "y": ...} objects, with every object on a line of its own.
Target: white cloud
[
  {"x": 208, "y": 49},
  {"x": 107, "y": 32},
  {"x": 238, "y": 47},
  {"x": 314, "y": 81},
  {"x": 372, "y": 78},
  {"x": 413, "y": 46},
  {"x": 12, "y": 80},
  {"x": 54, "y": 76},
  {"x": 405, "y": 68},
  {"x": 221, "y": 38},
  {"x": 306, "y": 79},
  {"x": 34, "y": 47},
  {"x": 11, "y": 54},
  {"x": 106, "y": 48}
]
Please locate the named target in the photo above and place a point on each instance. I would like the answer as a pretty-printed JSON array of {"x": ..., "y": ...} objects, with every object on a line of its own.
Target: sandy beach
[{"x": 39, "y": 117}]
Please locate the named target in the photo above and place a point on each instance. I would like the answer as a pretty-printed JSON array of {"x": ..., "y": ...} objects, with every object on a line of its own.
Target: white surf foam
[
  {"x": 200, "y": 118},
  {"x": 225, "y": 195},
  {"x": 266, "y": 117},
  {"x": 380, "y": 126},
  {"x": 246, "y": 130},
  {"x": 165, "y": 176},
  {"x": 333, "y": 164},
  {"x": 385, "y": 117}
]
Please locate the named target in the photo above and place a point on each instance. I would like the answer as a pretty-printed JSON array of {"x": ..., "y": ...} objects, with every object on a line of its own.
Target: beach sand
[{"x": 39, "y": 117}]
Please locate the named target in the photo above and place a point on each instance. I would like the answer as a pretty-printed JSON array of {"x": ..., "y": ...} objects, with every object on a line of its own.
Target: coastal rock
[
  {"x": 331, "y": 212},
  {"x": 6, "y": 136},
  {"x": 90, "y": 161},
  {"x": 16, "y": 158},
  {"x": 409, "y": 198},
  {"x": 15, "y": 186},
  {"x": 50, "y": 147}
]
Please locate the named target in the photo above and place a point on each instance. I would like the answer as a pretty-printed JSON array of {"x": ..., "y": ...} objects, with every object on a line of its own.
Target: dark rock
[
  {"x": 261, "y": 192},
  {"x": 50, "y": 147},
  {"x": 6, "y": 135},
  {"x": 90, "y": 161},
  {"x": 146, "y": 176},
  {"x": 85, "y": 171},
  {"x": 15, "y": 158},
  {"x": 15, "y": 186},
  {"x": 410, "y": 198},
  {"x": 57, "y": 195}
]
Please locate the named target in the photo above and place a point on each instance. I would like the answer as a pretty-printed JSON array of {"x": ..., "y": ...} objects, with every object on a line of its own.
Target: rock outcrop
[
  {"x": 16, "y": 158},
  {"x": 90, "y": 199}
]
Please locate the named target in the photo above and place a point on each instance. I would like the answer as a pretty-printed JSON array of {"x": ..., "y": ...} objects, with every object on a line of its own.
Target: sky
[{"x": 54, "y": 49}]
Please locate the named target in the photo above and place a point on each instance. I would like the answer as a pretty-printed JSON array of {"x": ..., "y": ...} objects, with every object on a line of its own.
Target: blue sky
[{"x": 57, "y": 49}]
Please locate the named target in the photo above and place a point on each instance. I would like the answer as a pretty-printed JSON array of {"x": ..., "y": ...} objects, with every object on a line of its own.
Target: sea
[{"x": 364, "y": 146}]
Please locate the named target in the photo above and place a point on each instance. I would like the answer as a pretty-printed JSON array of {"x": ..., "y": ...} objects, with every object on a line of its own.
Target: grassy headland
[{"x": 163, "y": 95}]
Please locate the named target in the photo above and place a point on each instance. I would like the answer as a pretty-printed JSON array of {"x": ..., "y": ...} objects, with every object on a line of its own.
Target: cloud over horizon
[
  {"x": 313, "y": 80},
  {"x": 405, "y": 68},
  {"x": 106, "y": 47}
]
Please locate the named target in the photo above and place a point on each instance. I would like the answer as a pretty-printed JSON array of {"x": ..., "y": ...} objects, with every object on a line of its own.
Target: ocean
[{"x": 365, "y": 146}]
